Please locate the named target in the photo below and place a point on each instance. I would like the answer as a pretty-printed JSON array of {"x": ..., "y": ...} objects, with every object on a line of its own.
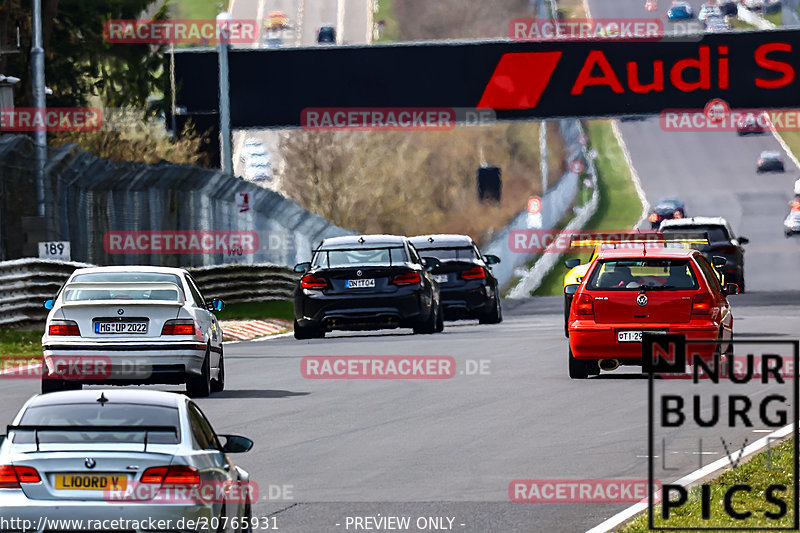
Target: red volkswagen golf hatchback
[{"x": 659, "y": 289}]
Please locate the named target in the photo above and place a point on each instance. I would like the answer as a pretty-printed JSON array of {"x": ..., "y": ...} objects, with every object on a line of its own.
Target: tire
[
  {"x": 218, "y": 385},
  {"x": 200, "y": 386},
  {"x": 304, "y": 333},
  {"x": 439, "y": 321},
  {"x": 567, "y": 303},
  {"x": 495, "y": 315},
  {"x": 248, "y": 514},
  {"x": 578, "y": 368},
  {"x": 429, "y": 326},
  {"x": 741, "y": 284}
]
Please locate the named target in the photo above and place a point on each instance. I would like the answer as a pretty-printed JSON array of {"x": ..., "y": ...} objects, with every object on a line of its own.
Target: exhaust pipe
[{"x": 608, "y": 364}]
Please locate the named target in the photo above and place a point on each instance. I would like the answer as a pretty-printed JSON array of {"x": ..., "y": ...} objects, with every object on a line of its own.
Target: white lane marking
[
  {"x": 697, "y": 475},
  {"x": 784, "y": 146},
  {"x": 298, "y": 39},
  {"x": 634, "y": 175},
  {"x": 230, "y": 6},
  {"x": 259, "y": 21},
  {"x": 339, "y": 21},
  {"x": 371, "y": 5}
]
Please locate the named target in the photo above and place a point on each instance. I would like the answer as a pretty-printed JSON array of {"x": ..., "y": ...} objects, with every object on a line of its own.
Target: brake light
[
  {"x": 171, "y": 475},
  {"x": 63, "y": 327},
  {"x": 180, "y": 326},
  {"x": 701, "y": 304},
  {"x": 314, "y": 282},
  {"x": 474, "y": 273},
  {"x": 11, "y": 476},
  {"x": 409, "y": 278},
  {"x": 584, "y": 307}
]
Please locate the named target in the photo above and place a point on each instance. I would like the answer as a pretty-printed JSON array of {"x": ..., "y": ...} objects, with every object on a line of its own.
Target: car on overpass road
[
  {"x": 630, "y": 291},
  {"x": 149, "y": 324},
  {"x": 366, "y": 282},
  {"x": 135, "y": 455}
]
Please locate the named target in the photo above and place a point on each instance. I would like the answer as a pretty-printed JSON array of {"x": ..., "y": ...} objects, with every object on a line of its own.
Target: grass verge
[
  {"x": 14, "y": 343},
  {"x": 391, "y": 31},
  {"x": 772, "y": 466},
  {"x": 619, "y": 207},
  {"x": 283, "y": 309},
  {"x": 775, "y": 18},
  {"x": 197, "y": 9}
]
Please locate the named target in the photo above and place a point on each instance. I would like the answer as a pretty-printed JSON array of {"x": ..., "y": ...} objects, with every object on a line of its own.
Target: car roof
[
  {"x": 366, "y": 241},
  {"x": 440, "y": 240},
  {"x": 646, "y": 252},
  {"x": 131, "y": 268},
  {"x": 133, "y": 396},
  {"x": 770, "y": 153},
  {"x": 695, "y": 221}
]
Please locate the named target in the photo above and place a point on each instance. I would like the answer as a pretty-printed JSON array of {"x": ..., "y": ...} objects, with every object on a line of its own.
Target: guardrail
[{"x": 26, "y": 283}]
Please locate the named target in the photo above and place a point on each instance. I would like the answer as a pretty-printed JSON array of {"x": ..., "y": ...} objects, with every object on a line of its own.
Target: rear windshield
[
  {"x": 122, "y": 293},
  {"x": 115, "y": 277},
  {"x": 634, "y": 274},
  {"x": 360, "y": 256},
  {"x": 120, "y": 414},
  {"x": 464, "y": 253},
  {"x": 715, "y": 233}
]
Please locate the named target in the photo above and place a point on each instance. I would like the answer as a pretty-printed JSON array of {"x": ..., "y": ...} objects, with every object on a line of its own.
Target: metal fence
[
  {"x": 87, "y": 197},
  {"x": 25, "y": 284}
]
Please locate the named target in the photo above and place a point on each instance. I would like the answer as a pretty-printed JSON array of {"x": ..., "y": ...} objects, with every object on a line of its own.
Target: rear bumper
[
  {"x": 128, "y": 363},
  {"x": 589, "y": 340},
  {"x": 364, "y": 312},
  {"x": 465, "y": 302}
]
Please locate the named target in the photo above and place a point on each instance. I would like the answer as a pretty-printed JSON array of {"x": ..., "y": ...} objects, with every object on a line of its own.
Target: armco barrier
[{"x": 26, "y": 283}]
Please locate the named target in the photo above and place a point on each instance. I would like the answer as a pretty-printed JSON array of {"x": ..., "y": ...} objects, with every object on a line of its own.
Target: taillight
[
  {"x": 314, "y": 282},
  {"x": 474, "y": 273},
  {"x": 63, "y": 327},
  {"x": 701, "y": 304},
  {"x": 11, "y": 476},
  {"x": 409, "y": 278},
  {"x": 180, "y": 326},
  {"x": 583, "y": 306},
  {"x": 171, "y": 475}
]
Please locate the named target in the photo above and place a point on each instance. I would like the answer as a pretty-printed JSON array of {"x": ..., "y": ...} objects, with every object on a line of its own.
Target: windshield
[
  {"x": 361, "y": 256},
  {"x": 462, "y": 253},
  {"x": 715, "y": 233},
  {"x": 635, "y": 274},
  {"x": 119, "y": 414}
]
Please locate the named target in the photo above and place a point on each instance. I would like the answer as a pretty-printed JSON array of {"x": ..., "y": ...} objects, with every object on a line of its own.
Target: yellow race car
[{"x": 577, "y": 270}]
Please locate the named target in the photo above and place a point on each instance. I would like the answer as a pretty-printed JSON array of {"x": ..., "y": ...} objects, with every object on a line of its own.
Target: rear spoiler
[
  {"x": 134, "y": 285},
  {"x": 103, "y": 429},
  {"x": 654, "y": 239}
]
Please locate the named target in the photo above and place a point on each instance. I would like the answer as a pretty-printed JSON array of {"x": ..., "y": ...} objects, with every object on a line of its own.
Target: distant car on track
[
  {"x": 326, "y": 34},
  {"x": 708, "y": 10},
  {"x": 791, "y": 224},
  {"x": 136, "y": 455},
  {"x": 716, "y": 24},
  {"x": 752, "y": 123},
  {"x": 770, "y": 162},
  {"x": 276, "y": 20},
  {"x": 680, "y": 11},
  {"x": 722, "y": 242},
  {"x": 366, "y": 282},
  {"x": 152, "y": 318},
  {"x": 629, "y": 291},
  {"x": 666, "y": 209},
  {"x": 728, "y": 7},
  {"x": 467, "y": 286}
]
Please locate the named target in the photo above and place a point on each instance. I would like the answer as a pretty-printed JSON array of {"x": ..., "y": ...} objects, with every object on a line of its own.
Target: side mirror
[
  {"x": 571, "y": 288},
  {"x": 49, "y": 304},
  {"x": 2, "y": 438},
  {"x": 491, "y": 259},
  {"x": 217, "y": 305},
  {"x": 236, "y": 444},
  {"x": 731, "y": 289},
  {"x": 430, "y": 263},
  {"x": 718, "y": 261},
  {"x": 743, "y": 240},
  {"x": 302, "y": 268},
  {"x": 572, "y": 263}
]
